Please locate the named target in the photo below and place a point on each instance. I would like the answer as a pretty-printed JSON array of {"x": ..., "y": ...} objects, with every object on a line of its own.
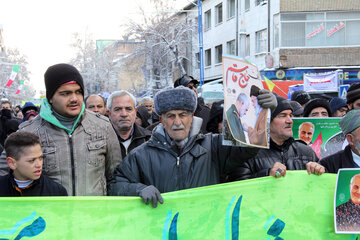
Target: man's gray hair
[
  {"x": 148, "y": 99},
  {"x": 119, "y": 94},
  {"x": 243, "y": 98}
]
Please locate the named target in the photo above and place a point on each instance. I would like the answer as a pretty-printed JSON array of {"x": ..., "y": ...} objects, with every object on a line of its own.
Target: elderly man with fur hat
[
  {"x": 80, "y": 147},
  {"x": 177, "y": 156},
  {"x": 284, "y": 154},
  {"x": 350, "y": 156}
]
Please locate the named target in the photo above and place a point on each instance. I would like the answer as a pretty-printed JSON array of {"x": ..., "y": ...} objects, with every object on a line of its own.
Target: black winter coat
[
  {"x": 140, "y": 135},
  {"x": 202, "y": 112},
  {"x": 293, "y": 154},
  {"x": 40, "y": 187},
  {"x": 156, "y": 163},
  {"x": 341, "y": 159}
]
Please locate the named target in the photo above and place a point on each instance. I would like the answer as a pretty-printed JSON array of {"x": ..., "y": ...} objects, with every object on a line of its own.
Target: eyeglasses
[{"x": 192, "y": 86}]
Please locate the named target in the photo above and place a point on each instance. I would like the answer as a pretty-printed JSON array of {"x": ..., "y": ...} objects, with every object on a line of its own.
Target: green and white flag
[
  {"x": 20, "y": 86},
  {"x": 13, "y": 75}
]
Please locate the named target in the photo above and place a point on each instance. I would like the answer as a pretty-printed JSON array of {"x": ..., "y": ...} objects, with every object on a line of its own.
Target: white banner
[{"x": 321, "y": 82}]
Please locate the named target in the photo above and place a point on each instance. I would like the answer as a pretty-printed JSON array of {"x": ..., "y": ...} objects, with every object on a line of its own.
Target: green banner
[
  {"x": 323, "y": 135},
  {"x": 298, "y": 206}
]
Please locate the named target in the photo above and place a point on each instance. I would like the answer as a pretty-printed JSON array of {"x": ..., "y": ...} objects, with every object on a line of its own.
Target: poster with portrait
[
  {"x": 323, "y": 135},
  {"x": 347, "y": 201},
  {"x": 245, "y": 123}
]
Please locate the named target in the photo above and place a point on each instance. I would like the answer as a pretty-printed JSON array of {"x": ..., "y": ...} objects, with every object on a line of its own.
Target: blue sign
[{"x": 343, "y": 91}]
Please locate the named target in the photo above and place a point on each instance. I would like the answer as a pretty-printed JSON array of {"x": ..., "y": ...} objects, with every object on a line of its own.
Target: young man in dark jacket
[
  {"x": 177, "y": 156},
  {"x": 284, "y": 154},
  {"x": 25, "y": 159}
]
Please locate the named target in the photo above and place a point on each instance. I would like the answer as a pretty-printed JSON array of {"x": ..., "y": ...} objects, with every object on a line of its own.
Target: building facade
[{"x": 284, "y": 38}]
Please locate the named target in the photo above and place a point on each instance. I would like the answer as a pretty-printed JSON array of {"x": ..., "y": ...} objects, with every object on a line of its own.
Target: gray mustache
[{"x": 181, "y": 127}]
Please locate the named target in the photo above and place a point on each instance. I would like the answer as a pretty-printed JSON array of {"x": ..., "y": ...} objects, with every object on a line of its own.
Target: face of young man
[
  {"x": 29, "y": 165},
  {"x": 5, "y": 106},
  {"x": 95, "y": 104},
  {"x": 122, "y": 113},
  {"x": 340, "y": 112},
  {"x": 319, "y": 112},
  {"x": 68, "y": 100},
  {"x": 177, "y": 124},
  {"x": 354, "y": 105},
  {"x": 281, "y": 127}
]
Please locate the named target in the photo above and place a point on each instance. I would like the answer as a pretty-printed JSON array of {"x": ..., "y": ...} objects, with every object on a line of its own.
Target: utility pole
[{"x": 201, "y": 46}]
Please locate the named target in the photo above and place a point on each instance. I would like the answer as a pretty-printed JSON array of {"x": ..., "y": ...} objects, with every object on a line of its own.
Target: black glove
[
  {"x": 151, "y": 193},
  {"x": 267, "y": 99}
]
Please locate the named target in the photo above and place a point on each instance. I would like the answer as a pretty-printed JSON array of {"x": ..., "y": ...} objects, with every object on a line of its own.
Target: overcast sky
[{"x": 42, "y": 29}]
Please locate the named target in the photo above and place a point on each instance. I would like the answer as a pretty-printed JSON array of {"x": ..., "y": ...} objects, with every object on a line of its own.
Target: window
[
  {"x": 261, "y": 40},
  {"x": 197, "y": 59},
  {"x": 207, "y": 20},
  {"x": 207, "y": 57},
  {"x": 247, "y": 45},
  {"x": 247, "y": 5},
  {"x": 230, "y": 8},
  {"x": 258, "y": 2},
  {"x": 218, "y": 54},
  {"x": 218, "y": 14},
  {"x": 319, "y": 29},
  {"x": 276, "y": 31},
  {"x": 230, "y": 47}
]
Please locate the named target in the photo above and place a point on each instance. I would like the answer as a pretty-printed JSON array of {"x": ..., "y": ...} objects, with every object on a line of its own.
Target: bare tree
[
  {"x": 97, "y": 66},
  {"x": 167, "y": 36}
]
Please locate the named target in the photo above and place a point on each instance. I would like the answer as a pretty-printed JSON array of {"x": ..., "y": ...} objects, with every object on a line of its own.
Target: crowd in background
[{"x": 119, "y": 146}]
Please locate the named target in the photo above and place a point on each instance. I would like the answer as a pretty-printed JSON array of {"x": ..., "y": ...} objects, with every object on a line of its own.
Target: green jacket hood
[{"x": 46, "y": 112}]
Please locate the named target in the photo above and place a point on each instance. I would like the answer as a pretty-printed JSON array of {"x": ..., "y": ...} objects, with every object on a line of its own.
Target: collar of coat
[{"x": 46, "y": 112}]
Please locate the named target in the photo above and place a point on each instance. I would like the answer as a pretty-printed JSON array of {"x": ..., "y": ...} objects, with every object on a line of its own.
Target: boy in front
[{"x": 25, "y": 159}]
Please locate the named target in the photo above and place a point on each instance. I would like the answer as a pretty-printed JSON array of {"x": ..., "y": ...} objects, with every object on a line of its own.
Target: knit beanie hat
[
  {"x": 350, "y": 121},
  {"x": 283, "y": 104},
  {"x": 337, "y": 103},
  {"x": 300, "y": 96},
  {"x": 353, "y": 93},
  {"x": 57, "y": 75},
  {"x": 314, "y": 103},
  {"x": 180, "y": 98}
]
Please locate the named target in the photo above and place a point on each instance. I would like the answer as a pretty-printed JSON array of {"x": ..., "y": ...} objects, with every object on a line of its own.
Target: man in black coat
[
  {"x": 177, "y": 156},
  {"x": 25, "y": 159},
  {"x": 284, "y": 154},
  {"x": 122, "y": 115},
  {"x": 350, "y": 156}
]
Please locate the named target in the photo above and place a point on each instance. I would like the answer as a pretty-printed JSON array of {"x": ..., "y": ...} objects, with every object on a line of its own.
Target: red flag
[
  {"x": 9, "y": 83},
  {"x": 316, "y": 146},
  {"x": 17, "y": 92}
]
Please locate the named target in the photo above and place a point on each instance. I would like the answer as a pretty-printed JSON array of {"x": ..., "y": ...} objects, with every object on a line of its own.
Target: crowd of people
[{"x": 84, "y": 146}]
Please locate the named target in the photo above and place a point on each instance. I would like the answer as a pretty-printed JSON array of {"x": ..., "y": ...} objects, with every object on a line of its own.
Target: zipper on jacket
[
  {"x": 72, "y": 164},
  {"x": 179, "y": 182}
]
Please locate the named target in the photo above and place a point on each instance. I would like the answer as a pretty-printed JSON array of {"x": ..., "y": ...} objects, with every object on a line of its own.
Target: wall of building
[
  {"x": 318, "y": 5},
  {"x": 319, "y": 57}
]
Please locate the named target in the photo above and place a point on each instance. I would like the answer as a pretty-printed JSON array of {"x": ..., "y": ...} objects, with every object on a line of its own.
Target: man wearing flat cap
[
  {"x": 80, "y": 147},
  {"x": 350, "y": 156},
  {"x": 177, "y": 156},
  {"x": 201, "y": 111},
  {"x": 284, "y": 154}
]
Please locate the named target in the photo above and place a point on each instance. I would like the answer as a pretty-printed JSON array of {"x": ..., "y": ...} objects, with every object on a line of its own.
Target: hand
[
  {"x": 278, "y": 170},
  {"x": 151, "y": 193},
  {"x": 314, "y": 167},
  {"x": 267, "y": 99}
]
